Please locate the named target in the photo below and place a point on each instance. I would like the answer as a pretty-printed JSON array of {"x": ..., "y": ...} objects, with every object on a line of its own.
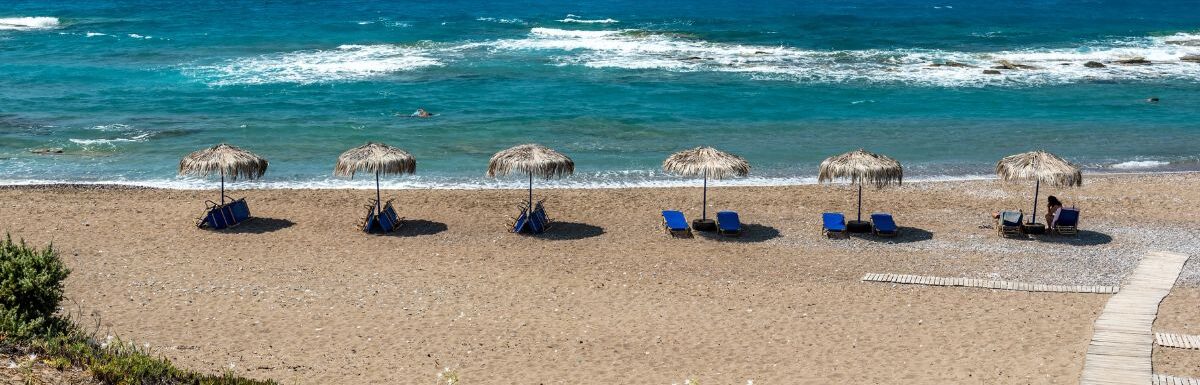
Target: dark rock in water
[
  {"x": 991, "y": 72},
  {"x": 1133, "y": 61},
  {"x": 692, "y": 58},
  {"x": 949, "y": 63},
  {"x": 1191, "y": 58},
  {"x": 1007, "y": 65},
  {"x": 1186, "y": 43},
  {"x": 1094, "y": 64},
  {"x": 1064, "y": 64},
  {"x": 761, "y": 52},
  {"x": 46, "y": 151}
]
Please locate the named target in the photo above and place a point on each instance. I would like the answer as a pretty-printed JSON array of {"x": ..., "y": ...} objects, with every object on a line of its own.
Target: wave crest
[
  {"x": 28, "y": 23},
  {"x": 637, "y": 49},
  {"x": 346, "y": 63},
  {"x": 586, "y": 21}
]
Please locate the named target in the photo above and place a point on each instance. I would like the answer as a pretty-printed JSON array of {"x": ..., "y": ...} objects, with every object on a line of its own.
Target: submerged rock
[
  {"x": 1133, "y": 61},
  {"x": 1191, "y": 58},
  {"x": 991, "y": 72},
  {"x": 1007, "y": 65},
  {"x": 949, "y": 63},
  {"x": 44, "y": 151},
  {"x": 1186, "y": 43},
  {"x": 1094, "y": 64}
]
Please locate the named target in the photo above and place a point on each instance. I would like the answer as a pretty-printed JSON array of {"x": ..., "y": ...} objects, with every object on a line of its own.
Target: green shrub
[{"x": 31, "y": 287}]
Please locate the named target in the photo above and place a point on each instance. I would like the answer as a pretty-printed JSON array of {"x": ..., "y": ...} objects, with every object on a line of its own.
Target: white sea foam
[
  {"x": 633, "y": 49},
  {"x": 1139, "y": 164},
  {"x": 87, "y": 143},
  {"x": 586, "y": 21},
  {"x": 501, "y": 21},
  {"x": 111, "y": 127},
  {"x": 28, "y": 23},
  {"x": 136, "y": 36},
  {"x": 346, "y": 63},
  {"x": 94, "y": 34},
  {"x": 605, "y": 180}
]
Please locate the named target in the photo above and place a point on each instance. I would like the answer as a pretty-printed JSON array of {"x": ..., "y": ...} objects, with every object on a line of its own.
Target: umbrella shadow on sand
[
  {"x": 418, "y": 227},
  {"x": 1084, "y": 238},
  {"x": 906, "y": 235},
  {"x": 259, "y": 225},
  {"x": 751, "y": 232},
  {"x": 565, "y": 231}
]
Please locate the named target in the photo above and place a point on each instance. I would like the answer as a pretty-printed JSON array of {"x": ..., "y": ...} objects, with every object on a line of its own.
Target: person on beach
[
  {"x": 1052, "y": 207},
  {"x": 421, "y": 113}
]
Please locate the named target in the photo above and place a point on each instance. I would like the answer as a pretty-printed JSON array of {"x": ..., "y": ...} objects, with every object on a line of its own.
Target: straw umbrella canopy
[
  {"x": 862, "y": 167},
  {"x": 1039, "y": 166},
  {"x": 706, "y": 162},
  {"x": 228, "y": 160},
  {"x": 532, "y": 159},
  {"x": 377, "y": 158}
]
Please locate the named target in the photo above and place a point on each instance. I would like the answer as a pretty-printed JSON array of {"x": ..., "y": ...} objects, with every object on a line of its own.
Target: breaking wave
[
  {"x": 346, "y": 63},
  {"x": 1129, "y": 59},
  {"x": 28, "y": 23},
  {"x": 570, "y": 19}
]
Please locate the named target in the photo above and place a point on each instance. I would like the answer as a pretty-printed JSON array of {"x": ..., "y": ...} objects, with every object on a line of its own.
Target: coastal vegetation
[{"x": 34, "y": 332}]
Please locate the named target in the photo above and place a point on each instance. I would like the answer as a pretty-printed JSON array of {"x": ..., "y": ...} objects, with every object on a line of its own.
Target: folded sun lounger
[
  {"x": 224, "y": 216},
  {"x": 676, "y": 224},
  {"x": 385, "y": 221},
  {"x": 728, "y": 224},
  {"x": 833, "y": 224},
  {"x": 531, "y": 221},
  {"x": 1066, "y": 221},
  {"x": 884, "y": 225},
  {"x": 1009, "y": 223}
]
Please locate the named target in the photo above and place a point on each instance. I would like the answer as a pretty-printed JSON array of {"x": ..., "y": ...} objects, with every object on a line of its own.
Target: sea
[{"x": 124, "y": 89}]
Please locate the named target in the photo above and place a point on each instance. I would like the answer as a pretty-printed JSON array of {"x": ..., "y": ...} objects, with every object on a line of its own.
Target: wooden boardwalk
[
  {"x": 1182, "y": 341},
  {"x": 1121, "y": 341},
  {"x": 988, "y": 284},
  {"x": 1163, "y": 379}
]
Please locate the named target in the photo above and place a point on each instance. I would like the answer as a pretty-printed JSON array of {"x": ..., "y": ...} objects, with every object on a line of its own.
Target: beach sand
[{"x": 299, "y": 295}]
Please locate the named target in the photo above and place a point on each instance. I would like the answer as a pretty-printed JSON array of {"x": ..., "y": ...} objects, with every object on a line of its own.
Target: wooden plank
[{"x": 1122, "y": 341}]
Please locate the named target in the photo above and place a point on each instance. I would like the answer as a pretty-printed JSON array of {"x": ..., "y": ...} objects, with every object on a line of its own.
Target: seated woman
[{"x": 1052, "y": 207}]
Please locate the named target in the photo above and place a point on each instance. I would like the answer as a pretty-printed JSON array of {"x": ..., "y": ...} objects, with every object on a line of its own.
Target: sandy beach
[{"x": 301, "y": 296}]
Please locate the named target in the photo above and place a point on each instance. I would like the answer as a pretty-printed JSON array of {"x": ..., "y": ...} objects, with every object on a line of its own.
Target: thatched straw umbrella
[
  {"x": 532, "y": 159},
  {"x": 1039, "y": 166},
  {"x": 862, "y": 167},
  {"x": 706, "y": 162},
  {"x": 225, "y": 159},
  {"x": 378, "y": 158}
]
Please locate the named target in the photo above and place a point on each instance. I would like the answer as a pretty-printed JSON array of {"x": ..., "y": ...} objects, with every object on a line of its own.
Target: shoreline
[{"x": 204, "y": 185}]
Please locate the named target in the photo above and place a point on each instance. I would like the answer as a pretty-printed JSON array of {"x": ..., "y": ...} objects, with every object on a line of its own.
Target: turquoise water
[{"x": 127, "y": 88}]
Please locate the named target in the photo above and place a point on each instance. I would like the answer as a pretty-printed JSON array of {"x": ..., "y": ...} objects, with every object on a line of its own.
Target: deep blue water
[{"x": 125, "y": 88}]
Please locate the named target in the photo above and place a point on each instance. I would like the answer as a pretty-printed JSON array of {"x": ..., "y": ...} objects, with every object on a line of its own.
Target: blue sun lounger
[
  {"x": 728, "y": 224},
  {"x": 385, "y": 221},
  {"x": 534, "y": 222},
  {"x": 1067, "y": 221},
  {"x": 226, "y": 215},
  {"x": 884, "y": 225},
  {"x": 834, "y": 224},
  {"x": 1009, "y": 223},
  {"x": 676, "y": 224}
]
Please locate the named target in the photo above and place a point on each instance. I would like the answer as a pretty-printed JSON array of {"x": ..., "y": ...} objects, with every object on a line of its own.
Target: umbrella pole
[
  {"x": 378, "y": 208},
  {"x": 1036, "y": 189},
  {"x": 530, "y": 192},
  {"x": 860, "y": 201},
  {"x": 704, "y": 202},
  {"x": 222, "y": 186}
]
